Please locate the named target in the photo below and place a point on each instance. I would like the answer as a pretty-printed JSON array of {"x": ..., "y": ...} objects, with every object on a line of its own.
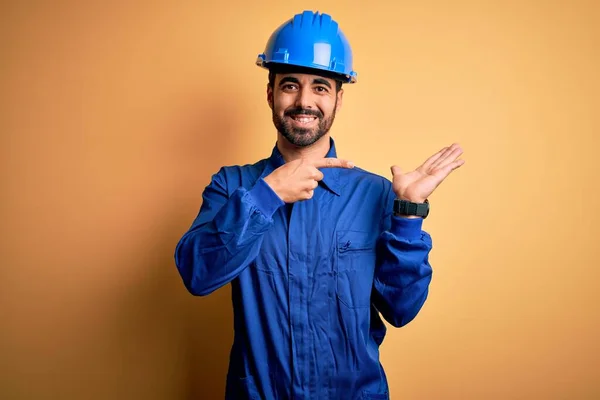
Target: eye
[
  {"x": 321, "y": 89},
  {"x": 288, "y": 87}
]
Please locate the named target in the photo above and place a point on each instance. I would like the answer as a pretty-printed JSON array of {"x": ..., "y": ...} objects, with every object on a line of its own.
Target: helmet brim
[{"x": 291, "y": 67}]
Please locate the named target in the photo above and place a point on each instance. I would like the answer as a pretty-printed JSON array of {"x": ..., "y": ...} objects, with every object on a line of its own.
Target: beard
[{"x": 302, "y": 137}]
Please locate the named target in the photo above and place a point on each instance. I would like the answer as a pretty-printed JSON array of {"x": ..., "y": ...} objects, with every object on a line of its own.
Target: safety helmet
[{"x": 310, "y": 40}]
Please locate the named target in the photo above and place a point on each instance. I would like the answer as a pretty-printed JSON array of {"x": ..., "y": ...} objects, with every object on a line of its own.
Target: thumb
[{"x": 395, "y": 170}]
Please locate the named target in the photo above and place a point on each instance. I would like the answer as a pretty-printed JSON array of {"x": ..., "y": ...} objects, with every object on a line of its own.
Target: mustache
[{"x": 303, "y": 111}]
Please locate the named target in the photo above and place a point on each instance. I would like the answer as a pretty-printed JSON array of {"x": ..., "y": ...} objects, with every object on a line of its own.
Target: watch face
[{"x": 404, "y": 207}]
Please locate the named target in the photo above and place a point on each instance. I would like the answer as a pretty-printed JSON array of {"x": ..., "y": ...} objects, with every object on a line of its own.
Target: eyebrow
[
  {"x": 288, "y": 79},
  {"x": 322, "y": 81},
  {"x": 317, "y": 81}
]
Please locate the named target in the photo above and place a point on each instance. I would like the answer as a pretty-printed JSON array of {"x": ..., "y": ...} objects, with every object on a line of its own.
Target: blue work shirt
[{"x": 310, "y": 281}]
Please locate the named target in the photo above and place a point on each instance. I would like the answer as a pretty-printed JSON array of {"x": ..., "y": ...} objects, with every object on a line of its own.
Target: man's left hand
[{"x": 417, "y": 185}]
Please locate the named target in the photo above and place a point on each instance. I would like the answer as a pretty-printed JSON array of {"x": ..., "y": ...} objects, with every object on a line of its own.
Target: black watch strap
[{"x": 406, "y": 208}]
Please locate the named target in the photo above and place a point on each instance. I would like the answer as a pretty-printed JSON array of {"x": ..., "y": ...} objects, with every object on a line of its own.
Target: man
[{"x": 317, "y": 251}]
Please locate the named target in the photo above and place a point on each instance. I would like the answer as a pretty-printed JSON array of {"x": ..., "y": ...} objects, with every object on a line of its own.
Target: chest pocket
[{"x": 355, "y": 266}]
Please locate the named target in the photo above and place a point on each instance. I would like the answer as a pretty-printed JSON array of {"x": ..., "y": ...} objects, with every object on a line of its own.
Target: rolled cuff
[
  {"x": 265, "y": 198},
  {"x": 408, "y": 228}
]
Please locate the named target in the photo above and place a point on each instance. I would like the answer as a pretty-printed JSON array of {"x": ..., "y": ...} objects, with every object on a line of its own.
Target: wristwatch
[{"x": 405, "y": 207}]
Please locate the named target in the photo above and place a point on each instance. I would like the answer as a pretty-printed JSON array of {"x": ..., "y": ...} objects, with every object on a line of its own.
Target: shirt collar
[{"x": 330, "y": 175}]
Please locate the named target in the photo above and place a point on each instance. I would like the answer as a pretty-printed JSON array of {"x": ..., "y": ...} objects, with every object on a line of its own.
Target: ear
[
  {"x": 270, "y": 96},
  {"x": 340, "y": 96}
]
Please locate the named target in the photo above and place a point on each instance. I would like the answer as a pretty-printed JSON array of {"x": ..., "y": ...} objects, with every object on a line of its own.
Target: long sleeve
[
  {"x": 403, "y": 272},
  {"x": 226, "y": 235}
]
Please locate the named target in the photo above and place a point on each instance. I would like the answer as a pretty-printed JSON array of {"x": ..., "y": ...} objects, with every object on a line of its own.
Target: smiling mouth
[{"x": 303, "y": 119}]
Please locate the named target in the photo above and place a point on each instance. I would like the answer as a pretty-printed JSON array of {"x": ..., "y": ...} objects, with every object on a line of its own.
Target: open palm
[{"x": 417, "y": 185}]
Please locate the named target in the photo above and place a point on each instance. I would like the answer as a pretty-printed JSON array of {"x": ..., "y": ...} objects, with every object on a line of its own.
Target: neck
[{"x": 290, "y": 152}]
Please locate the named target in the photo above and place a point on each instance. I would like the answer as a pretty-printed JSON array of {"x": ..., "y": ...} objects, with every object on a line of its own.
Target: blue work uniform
[{"x": 310, "y": 280}]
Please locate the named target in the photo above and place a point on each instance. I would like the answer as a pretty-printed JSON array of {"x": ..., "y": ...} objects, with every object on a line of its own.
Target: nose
[{"x": 303, "y": 98}]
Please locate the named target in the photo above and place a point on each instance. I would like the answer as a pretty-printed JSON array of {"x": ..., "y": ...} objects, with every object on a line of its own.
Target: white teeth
[{"x": 305, "y": 120}]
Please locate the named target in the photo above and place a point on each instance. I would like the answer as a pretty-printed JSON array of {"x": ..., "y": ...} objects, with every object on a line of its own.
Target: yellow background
[{"x": 114, "y": 116}]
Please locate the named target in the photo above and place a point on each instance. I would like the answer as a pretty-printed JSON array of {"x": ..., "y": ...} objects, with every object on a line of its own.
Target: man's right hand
[{"x": 297, "y": 180}]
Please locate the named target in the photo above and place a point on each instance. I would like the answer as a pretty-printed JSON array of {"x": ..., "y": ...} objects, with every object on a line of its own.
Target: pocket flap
[{"x": 355, "y": 240}]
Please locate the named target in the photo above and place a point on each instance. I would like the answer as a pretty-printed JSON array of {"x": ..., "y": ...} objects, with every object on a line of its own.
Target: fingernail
[{"x": 350, "y": 164}]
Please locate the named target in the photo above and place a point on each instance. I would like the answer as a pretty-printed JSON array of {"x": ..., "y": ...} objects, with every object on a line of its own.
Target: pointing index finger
[{"x": 332, "y": 162}]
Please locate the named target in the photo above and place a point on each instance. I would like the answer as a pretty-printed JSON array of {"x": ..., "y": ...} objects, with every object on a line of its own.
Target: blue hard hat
[{"x": 310, "y": 40}]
